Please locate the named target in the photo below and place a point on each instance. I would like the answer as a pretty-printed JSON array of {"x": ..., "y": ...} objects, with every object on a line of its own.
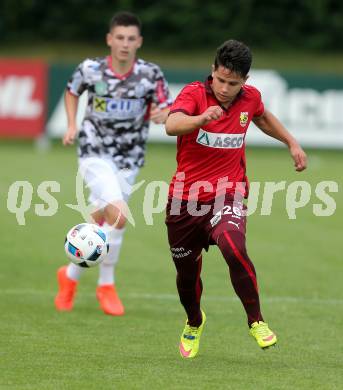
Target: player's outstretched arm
[
  {"x": 270, "y": 125},
  {"x": 71, "y": 103},
  {"x": 179, "y": 123}
]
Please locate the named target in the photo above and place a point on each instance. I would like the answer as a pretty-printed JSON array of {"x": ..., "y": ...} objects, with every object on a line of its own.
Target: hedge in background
[{"x": 310, "y": 24}]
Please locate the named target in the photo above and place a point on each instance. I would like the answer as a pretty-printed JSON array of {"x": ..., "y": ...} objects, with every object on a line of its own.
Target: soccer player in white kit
[{"x": 124, "y": 94}]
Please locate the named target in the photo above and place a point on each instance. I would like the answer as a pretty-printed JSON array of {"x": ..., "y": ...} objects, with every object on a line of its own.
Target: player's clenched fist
[
  {"x": 211, "y": 114},
  {"x": 157, "y": 115}
]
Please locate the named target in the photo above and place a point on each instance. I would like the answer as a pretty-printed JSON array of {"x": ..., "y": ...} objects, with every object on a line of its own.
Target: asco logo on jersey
[
  {"x": 23, "y": 87},
  {"x": 220, "y": 140}
]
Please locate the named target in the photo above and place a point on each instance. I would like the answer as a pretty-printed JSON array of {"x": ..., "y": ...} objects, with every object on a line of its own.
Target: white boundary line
[{"x": 174, "y": 297}]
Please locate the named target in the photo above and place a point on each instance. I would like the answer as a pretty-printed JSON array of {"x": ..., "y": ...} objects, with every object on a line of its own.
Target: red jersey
[{"x": 211, "y": 159}]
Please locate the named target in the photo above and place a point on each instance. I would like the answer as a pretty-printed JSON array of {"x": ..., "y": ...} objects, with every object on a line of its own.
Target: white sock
[
  {"x": 106, "y": 268},
  {"x": 106, "y": 274},
  {"x": 74, "y": 272}
]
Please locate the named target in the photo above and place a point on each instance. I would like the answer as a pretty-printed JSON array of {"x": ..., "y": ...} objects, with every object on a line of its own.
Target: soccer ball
[{"x": 86, "y": 245}]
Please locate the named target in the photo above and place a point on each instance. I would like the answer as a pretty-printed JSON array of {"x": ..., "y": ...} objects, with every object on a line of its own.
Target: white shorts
[{"x": 106, "y": 183}]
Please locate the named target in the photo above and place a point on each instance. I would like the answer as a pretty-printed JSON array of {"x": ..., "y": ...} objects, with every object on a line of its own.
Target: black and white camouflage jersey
[{"x": 116, "y": 122}]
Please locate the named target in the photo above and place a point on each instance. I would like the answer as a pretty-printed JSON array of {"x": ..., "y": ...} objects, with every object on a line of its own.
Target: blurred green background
[
  {"x": 185, "y": 24},
  {"x": 284, "y": 34}
]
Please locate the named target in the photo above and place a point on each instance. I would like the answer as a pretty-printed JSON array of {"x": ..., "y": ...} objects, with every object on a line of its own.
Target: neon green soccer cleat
[
  {"x": 190, "y": 339},
  {"x": 263, "y": 335}
]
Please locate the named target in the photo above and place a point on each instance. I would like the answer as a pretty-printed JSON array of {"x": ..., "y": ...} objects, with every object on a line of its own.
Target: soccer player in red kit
[{"x": 205, "y": 205}]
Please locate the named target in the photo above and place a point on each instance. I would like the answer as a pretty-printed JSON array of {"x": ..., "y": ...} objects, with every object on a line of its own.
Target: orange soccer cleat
[
  {"x": 64, "y": 299},
  {"x": 109, "y": 301}
]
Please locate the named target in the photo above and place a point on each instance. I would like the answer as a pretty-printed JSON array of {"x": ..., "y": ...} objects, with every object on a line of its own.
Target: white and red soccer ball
[{"x": 86, "y": 245}]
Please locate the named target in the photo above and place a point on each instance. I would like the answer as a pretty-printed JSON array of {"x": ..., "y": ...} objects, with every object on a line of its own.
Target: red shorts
[{"x": 189, "y": 234}]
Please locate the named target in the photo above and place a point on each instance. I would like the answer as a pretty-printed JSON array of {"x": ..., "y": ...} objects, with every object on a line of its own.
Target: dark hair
[
  {"x": 234, "y": 55},
  {"x": 125, "y": 19}
]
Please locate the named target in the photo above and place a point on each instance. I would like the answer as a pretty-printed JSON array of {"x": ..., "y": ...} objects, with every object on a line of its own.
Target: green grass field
[{"x": 299, "y": 265}]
